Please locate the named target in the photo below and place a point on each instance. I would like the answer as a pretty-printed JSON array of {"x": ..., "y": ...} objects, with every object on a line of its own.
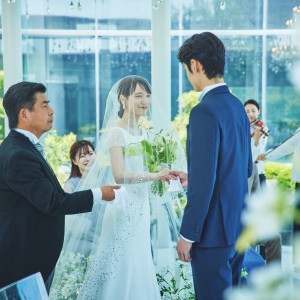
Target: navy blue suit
[{"x": 219, "y": 164}]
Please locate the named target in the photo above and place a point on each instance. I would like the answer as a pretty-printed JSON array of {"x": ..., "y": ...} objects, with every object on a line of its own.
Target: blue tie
[{"x": 40, "y": 149}]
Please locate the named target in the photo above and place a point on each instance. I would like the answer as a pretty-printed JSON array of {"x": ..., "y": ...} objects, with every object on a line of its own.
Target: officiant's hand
[
  {"x": 183, "y": 249},
  {"x": 182, "y": 175},
  {"x": 108, "y": 192}
]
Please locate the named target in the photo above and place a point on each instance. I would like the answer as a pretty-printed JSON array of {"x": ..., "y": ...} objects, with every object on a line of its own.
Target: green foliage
[
  {"x": 170, "y": 287},
  {"x": 87, "y": 129},
  {"x": 188, "y": 101},
  {"x": 57, "y": 150},
  {"x": 282, "y": 173},
  {"x": 72, "y": 269}
]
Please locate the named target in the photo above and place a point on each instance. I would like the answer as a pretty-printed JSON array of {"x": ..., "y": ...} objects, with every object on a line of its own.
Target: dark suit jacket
[
  {"x": 219, "y": 163},
  {"x": 32, "y": 211}
]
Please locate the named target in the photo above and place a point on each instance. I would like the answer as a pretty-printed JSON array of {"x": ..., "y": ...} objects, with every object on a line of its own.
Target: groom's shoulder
[{"x": 204, "y": 108}]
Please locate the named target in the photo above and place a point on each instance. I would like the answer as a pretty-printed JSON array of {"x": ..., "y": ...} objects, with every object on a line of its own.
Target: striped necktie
[{"x": 40, "y": 149}]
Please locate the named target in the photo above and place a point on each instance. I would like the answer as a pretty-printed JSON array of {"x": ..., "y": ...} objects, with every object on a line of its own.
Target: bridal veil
[{"x": 136, "y": 142}]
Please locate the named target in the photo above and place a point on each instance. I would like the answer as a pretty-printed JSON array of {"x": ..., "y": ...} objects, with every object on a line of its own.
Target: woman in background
[
  {"x": 82, "y": 155},
  {"x": 259, "y": 136}
]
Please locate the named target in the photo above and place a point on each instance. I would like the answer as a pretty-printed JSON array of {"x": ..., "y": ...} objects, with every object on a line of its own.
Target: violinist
[{"x": 259, "y": 136}]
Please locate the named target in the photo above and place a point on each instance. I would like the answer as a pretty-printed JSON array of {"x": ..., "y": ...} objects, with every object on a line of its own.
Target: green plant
[
  {"x": 87, "y": 129},
  {"x": 188, "y": 101},
  {"x": 74, "y": 266},
  {"x": 176, "y": 289},
  {"x": 282, "y": 173},
  {"x": 57, "y": 150}
]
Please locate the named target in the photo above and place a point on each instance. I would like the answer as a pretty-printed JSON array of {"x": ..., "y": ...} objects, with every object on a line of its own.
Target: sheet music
[{"x": 271, "y": 150}]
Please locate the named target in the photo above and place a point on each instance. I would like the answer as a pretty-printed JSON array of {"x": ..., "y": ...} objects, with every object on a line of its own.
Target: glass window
[
  {"x": 56, "y": 14},
  {"x": 175, "y": 75},
  {"x": 120, "y": 57},
  {"x": 282, "y": 101},
  {"x": 124, "y": 15},
  {"x": 1, "y": 16},
  {"x": 282, "y": 14},
  {"x": 67, "y": 68},
  {"x": 242, "y": 68},
  {"x": 222, "y": 15},
  {"x": 243, "y": 72},
  {"x": 80, "y": 15}
]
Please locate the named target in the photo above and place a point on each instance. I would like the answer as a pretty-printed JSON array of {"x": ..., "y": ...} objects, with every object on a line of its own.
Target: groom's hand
[
  {"x": 108, "y": 192},
  {"x": 183, "y": 249},
  {"x": 182, "y": 175}
]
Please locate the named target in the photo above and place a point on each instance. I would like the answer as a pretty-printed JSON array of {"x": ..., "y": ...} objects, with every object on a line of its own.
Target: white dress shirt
[
  {"x": 97, "y": 193},
  {"x": 209, "y": 88},
  {"x": 258, "y": 150}
]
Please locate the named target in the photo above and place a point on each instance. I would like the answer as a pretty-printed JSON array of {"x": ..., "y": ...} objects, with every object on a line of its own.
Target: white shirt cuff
[
  {"x": 97, "y": 195},
  {"x": 187, "y": 239}
]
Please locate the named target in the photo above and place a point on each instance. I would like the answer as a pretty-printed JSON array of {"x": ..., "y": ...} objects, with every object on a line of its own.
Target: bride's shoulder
[
  {"x": 116, "y": 136},
  {"x": 117, "y": 130}
]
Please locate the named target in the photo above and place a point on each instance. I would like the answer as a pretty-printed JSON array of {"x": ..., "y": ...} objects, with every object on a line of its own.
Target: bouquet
[{"x": 159, "y": 151}]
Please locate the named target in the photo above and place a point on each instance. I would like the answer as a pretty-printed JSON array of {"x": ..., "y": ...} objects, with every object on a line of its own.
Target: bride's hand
[{"x": 165, "y": 173}]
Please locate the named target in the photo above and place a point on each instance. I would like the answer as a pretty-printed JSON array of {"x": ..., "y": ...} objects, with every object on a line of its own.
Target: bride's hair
[{"x": 127, "y": 87}]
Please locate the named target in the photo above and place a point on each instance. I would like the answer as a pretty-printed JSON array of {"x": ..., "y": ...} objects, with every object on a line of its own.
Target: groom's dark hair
[
  {"x": 206, "y": 48},
  {"x": 18, "y": 96}
]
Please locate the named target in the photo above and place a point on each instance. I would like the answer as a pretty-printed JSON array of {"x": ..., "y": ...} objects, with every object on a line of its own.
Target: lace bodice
[{"x": 132, "y": 148}]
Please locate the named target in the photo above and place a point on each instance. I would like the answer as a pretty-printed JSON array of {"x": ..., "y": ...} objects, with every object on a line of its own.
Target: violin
[{"x": 258, "y": 124}]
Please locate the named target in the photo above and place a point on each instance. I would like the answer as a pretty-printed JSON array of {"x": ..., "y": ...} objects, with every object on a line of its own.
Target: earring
[{"x": 123, "y": 106}]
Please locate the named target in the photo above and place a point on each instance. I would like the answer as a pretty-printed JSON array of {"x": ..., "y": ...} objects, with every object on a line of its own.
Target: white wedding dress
[
  {"x": 114, "y": 251},
  {"x": 122, "y": 267}
]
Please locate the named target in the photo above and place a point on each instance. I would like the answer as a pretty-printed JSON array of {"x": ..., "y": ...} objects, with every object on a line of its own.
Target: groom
[
  {"x": 219, "y": 163},
  {"x": 32, "y": 203}
]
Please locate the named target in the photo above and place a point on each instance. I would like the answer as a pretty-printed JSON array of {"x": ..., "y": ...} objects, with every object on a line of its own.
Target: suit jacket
[
  {"x": 32, "y": 211},
  {"x": 219, "y": 164}
]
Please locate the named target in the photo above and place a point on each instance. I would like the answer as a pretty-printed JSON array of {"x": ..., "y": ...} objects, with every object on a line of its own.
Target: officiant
[{"x": 32, "y": 203}]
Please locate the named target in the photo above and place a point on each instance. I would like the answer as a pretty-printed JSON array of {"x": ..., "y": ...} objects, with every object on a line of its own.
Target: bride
[{"x": 115, "y": 251}]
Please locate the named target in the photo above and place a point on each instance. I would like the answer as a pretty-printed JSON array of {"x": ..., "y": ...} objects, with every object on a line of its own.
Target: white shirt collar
[
  {"x": 209, "y": 88},
  {"x": 33, "y": 139}
]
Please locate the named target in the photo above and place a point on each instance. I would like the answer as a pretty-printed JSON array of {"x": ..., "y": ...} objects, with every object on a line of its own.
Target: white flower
[
  {"x": 267, "y": 212},
  {"x": 145, "y": 123}
]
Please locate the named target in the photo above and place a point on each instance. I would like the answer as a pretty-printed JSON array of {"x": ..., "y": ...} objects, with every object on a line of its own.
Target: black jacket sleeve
[{"x": 30, "y": 180}]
